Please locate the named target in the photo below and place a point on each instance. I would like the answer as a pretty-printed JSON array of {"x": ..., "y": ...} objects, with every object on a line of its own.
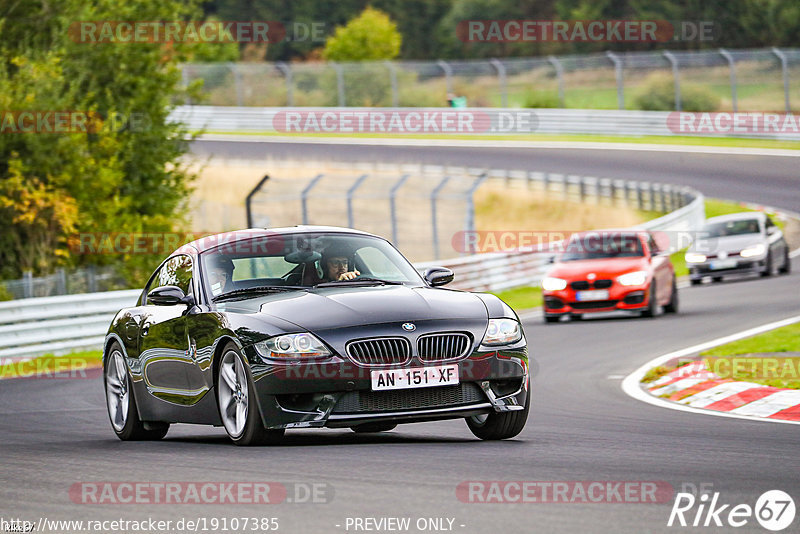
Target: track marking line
[{"x": 631, "y": 384}]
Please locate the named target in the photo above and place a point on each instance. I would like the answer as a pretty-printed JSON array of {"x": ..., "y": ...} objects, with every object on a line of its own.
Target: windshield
[
  {"x": 301, "y": 261},
  {"x": 597, "y": 246},
  {"x": 728, "y": 228}
]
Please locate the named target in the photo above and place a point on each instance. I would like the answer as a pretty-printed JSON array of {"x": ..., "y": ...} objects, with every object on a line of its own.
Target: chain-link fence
[
  {"x": 89, "y": 280},
  {"x": 422, "y": 208},
  {"x": 752, "y": 80}
]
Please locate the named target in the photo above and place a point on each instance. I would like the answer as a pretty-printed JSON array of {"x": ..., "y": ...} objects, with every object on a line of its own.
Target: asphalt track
[
  {"x": 55, "y": 432},
  {"x": 773, "y": 181}
]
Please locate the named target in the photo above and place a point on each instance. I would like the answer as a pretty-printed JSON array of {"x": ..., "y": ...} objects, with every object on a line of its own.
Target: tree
[
  {"x": 123, "y": 174},
  {"x": 370, "y": 36}
]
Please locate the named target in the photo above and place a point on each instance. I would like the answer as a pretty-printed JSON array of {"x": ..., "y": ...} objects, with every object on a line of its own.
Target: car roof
[
  {"x": 743, "y": 216},
  {"x": 210, "y": 241}
]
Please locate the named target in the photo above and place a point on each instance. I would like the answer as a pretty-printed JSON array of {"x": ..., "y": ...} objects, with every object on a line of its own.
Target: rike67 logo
[{"x": 774, "y": 510}]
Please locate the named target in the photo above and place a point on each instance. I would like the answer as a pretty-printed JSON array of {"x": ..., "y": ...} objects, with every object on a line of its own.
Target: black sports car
[{"x": 264, "y": 330}]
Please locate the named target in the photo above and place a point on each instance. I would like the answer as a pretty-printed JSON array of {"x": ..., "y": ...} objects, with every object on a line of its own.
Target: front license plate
[
  {"x": 592, "y": 294},
  {"x": 722, "y": 264},
  {"x": 417, "y": 377}
]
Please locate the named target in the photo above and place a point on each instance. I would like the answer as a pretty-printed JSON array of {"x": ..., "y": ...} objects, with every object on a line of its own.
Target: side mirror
[
  {"x": 438, "y": 276},
  {"x": 166, "y": 296},
  {"x": 771, "y": 230}
]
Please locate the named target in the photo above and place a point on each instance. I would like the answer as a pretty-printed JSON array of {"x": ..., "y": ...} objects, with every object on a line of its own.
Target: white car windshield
[{"x": 728, "y": 228}]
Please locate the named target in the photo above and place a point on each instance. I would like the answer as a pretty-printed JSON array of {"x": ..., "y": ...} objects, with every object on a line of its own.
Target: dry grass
[
  {"x": 218, "y": 203},
  {"x": 500, "y": 208}
]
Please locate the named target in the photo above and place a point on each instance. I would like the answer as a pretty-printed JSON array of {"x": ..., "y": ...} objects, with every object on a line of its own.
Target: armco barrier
[
  {"x": 30, "y": 327},
  {"x": 486, "y": 121}
]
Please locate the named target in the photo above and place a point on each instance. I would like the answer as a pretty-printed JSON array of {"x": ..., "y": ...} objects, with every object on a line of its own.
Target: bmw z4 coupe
[{"x": 259, "y": 331}]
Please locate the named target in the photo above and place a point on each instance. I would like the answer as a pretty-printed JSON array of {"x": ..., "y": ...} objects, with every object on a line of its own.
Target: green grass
[
  {"x": 655, "y": 373},
  {"x": 653, "y": 139},
  {"x": 48, "y": 365},
  {"x": 521, "y": 298},
  {"x": 716, "y": 207},
  {"x": 786, "y": 373},
  {"x": 785, "y": 339}
]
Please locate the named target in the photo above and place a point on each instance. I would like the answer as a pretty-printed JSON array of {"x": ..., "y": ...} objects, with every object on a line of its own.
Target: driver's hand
[{"x": 348, "y": 276}]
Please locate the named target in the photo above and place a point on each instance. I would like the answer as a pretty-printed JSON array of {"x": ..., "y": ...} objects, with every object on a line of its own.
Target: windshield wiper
[
  {"x": 256, "y": 289},
  {"x": 363, "y": 280}
]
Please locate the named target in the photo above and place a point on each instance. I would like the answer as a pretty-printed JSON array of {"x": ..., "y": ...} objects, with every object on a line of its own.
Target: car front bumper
[
  {"x": 625, "y": 298},
  {"x": 697, "y": 271},
  {"x": 337, "y": 393}
]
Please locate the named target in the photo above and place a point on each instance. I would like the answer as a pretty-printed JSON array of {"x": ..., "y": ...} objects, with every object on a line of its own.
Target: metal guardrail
[
  {"x": 485, "y": 121},
  {"x": 30, "y": 327}
]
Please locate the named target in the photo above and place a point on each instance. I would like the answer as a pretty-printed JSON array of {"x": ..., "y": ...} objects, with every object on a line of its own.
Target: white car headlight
[
  {"x": 695, "y": 257},
  {"x": 636, "y": 278},
  {"x": 502, "y": 332},
  {"x": 553, "y": 284},
  {"x": 755, "y": 250},
  {"x": 293, "y": 346}
]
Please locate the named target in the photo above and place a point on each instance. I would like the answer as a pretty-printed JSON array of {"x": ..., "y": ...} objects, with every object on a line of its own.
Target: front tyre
[
  {"x": 652, "y": 303},
  {"x": 787, "y": 263},
  {"x": 672, "y": 307},
  {"x": 768, "y": 268},
  {"x": 236, "y": 400},
  {"x": 503, "y": 425},
  {"x": 121, "y": 405}
]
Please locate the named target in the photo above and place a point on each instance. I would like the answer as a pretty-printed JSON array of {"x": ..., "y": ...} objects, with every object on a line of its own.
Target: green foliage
[
  {"x": 370, "y": 36},
  {"x": 5, "y": 294},
  {"x": 123, "y": 175},
  {"x": 211, "y": 52},
  {"x": 657, "y": 93}
]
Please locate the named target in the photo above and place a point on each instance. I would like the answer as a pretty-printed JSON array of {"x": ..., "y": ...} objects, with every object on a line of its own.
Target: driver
[
  {"x": 336, "y": 265},
  {"x": 220, "y": 274}
]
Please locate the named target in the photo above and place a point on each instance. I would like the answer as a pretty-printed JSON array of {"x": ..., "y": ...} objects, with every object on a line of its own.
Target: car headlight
[
  {"x": 695, "y": 257},
  {"x": 502, "y": 332},
  {"x": 553, "y": 284},
  {"x": 293, "y": 346},
  {"x": 636, "y": 278},
  {"x": 755, "y": 250}
]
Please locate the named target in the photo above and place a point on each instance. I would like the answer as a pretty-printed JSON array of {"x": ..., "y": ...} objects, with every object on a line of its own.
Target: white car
[{"x": 742, "y": 243}]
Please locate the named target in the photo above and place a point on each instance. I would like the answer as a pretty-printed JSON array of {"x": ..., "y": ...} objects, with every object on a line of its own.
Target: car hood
[
  {"x": 731, "y": 243},
  {"x": 603, "y": 268},
  {"x": 342, "y": 307}
]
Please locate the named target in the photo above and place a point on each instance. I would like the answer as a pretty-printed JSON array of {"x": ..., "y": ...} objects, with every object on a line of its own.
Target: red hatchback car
[{"x": 607, "y": 271}]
